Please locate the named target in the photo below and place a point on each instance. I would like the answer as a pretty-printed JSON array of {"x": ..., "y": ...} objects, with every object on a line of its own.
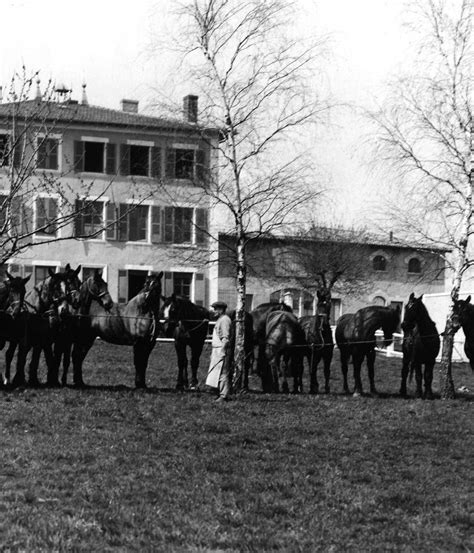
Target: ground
[{"x": 114, "y": 469}]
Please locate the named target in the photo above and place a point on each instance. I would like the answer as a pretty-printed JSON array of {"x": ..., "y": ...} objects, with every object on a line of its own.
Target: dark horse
[
  {"x": 464, "y": 313},
  {"x": 284, "y": 340},
  {"x": 355, "y": 337},
  {"x": 259, "y": 317},
  {"x": 134, "y": 324},
  {"x": 421, "y": 345},
  {"x": 187, "y": 323},
  {"x": 317, "y": 329}
]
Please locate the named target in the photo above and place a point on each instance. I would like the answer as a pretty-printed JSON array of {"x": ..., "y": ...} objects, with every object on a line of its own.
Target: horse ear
[
  {"x": 421, "y": 297},
  {"x": 51, "y": 272},
  {"x": 26, "y": 279},
  {"x": 67, "y": 267},
  {"x": 468, "y": 299},
  {"x": 10, "y": 277},
  {"x": 160, "y": 275},
  {"x": 412, "y": 296},
  {"x": 78, "y": 270}
]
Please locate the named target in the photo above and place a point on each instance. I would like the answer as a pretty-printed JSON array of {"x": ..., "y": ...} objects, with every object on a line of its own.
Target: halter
[{"x": 96, "y": 297}]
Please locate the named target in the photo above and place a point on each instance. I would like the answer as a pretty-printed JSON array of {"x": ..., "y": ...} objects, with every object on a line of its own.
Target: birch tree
[
  {"x": 424, "y": 131},
  {"x": 258, "y": 87}
]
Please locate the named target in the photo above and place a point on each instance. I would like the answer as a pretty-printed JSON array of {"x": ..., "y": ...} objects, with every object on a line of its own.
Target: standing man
[{"x": 219, "y": 367}]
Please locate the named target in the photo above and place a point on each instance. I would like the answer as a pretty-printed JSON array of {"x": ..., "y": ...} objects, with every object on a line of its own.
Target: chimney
[
  {"x": 190, "y": 106},
  {"x": 38, "y": 91},
  {"x": 84, "y": 101},
  {"x": 130, "y": 106}
]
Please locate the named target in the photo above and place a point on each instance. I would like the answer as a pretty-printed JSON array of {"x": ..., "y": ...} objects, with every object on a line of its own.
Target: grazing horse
[
  {"x": 284, "y": 339},
  {"x": 464, "y": 313},
  {"x": 355, "y": 337},
  {"x": 134, "y": 324},
  {"x": 188, "y": 324},
  {"x": 318, "y": 333},
  {"x": 259, "y": 315},
  {"x": 421, "y": 345},
  {"x": 45, "y": 305}
]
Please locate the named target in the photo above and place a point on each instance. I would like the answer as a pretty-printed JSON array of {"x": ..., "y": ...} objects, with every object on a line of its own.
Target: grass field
[{"x": 114, "y": 469}]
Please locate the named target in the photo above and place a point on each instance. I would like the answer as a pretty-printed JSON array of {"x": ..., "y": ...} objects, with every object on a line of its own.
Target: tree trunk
[
  {"x": 446, "y": 383},
  {"x": 238, "y": 381}
]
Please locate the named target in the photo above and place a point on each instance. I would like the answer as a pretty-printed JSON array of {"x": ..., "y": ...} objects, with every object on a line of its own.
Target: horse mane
[{"x": 189, "y": 309}]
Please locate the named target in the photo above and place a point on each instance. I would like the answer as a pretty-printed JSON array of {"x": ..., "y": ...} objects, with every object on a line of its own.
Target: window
[
  {"x": 182, "y": 284},
  {"x": 138, "y": 223},
  {"x": 46, "y": 211},
  {"x": 379, "y": 263},
  {"x": 3, "y": 210},
  {"x": 94, "y": 157},
  {"x": 42, "y": 272},
  {"x": 4, "y": 150},
  {"x": 89, "y": 219},
  {"x": 287, "y": 263},
  {"x": 140, "y": 160},
  {"x": 186, "y": 163},
  {"x": 178, "y": 222},
  {"x": 414, "y": 265},
  {"x": 48, "y": 157}
]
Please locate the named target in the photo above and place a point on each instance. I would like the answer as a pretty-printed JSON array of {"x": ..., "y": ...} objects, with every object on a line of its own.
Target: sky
[{"x": 108, "y": 45}]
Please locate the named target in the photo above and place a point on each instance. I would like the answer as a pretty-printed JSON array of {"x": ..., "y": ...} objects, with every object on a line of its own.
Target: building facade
[
  {"x": 122, "y": 192},
  {"x": 389, "y": 272}
]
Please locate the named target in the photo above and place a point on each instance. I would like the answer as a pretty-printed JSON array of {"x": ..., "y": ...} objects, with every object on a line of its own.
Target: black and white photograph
[{"x": 237, "y": 276}]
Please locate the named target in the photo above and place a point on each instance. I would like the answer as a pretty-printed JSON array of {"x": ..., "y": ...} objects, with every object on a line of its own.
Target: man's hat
[{"x": 219, "y": 305}]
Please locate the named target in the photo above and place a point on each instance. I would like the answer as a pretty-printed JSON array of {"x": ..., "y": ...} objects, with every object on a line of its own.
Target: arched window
[
  {"x": 379, "y": 263},
  {"x": 414, "y": 265}
]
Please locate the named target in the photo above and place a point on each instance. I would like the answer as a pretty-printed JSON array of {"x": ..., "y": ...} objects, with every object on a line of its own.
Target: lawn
[{"x": 114, "y": 469}]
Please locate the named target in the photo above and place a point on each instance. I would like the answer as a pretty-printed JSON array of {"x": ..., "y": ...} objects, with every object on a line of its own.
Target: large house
[{"x": 130, "y": 182}]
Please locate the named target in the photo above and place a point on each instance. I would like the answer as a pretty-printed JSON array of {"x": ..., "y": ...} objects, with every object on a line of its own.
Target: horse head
[
  {"x": 414, "y": 310},
  {"x": 170, "y": 314},
  {"x": 73, "y": 286},
  {"x": 390, "y": 324},
  {"x": 462, "y": 313},
  {"x": 15, "y": 294},
  {"x": 323, "y": 307},
  {"x": 152, "y": 289},
  {"x": 95, "y": 288},
  {"x": 52, "y": 295}
]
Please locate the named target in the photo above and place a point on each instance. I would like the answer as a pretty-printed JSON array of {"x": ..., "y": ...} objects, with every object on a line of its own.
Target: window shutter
[
  {"x": 122, "y": 286},
  {"x": 202, "y": 226},
  {"x": 78, "y": 156},
  {"x": 41, "y": 153},
  {"x": 124, "y": 159},
  {"x": 156, "y": 162},
  {"x": 110, "y": 166},
  {"x": 201, "y": 171},
  {"x": 170, "y": 163},
  {"x": 168, "y": 284},
  {"x": 168, "y": 224},
  {"x": 199, "y": 289},
  {"x": 111, "y": 222},
  {"x": 156, "y": 224},
  {"x": 17, "y": 152},
  {"x": 78, "y": 219},
  {"x": 123, "y": 222}
]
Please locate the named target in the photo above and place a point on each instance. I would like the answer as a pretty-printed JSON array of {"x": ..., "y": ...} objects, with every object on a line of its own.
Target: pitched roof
[{"x": 74, "y": 113}]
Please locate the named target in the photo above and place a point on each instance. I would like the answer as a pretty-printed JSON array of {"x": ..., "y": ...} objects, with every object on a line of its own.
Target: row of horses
[{"x": 62, "y": 316}]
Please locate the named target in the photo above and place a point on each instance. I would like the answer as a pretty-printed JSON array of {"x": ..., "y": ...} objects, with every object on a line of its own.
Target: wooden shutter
[
  {"x": 111, "y": 221},
  {"x": 199, "y": 289},
  {"x": 78, "y": 218},
  {"x": 202, "y": 226},
  {"x": 18, "y": 152},
  {"x": 124, "y": 159},
  {"x": 41, "y": 153},
  {"x": 123, "y": 222},
  {"x": 156, "y": 224},
  {"x": 110, "y": 165},
  {"x": 171, "y": 163},
  {"x": 78, "y": 156},
  {"x": 156, "y": 162},
  {"x": 168, "y": 284},
  {"x": 168, "y": 224},
  {"x": 122, "y": 286}
]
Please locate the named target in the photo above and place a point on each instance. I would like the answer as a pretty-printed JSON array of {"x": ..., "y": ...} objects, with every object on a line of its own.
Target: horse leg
[
  {"x": 428, "y": 380},
  {"x": 79, "y": 352},
  {"x": 298, "y": 367},
  {"x": 23, "y": 348},
  {"x": 419, "y": 379},
  {"x": 284, "y": 360},
  {"x": 53, "y": 366},
  {"x": 405, "y": 371},
  {"x": 371, "y": 370},
  {"x": 141, "y": 354},
  {"x": 327, "y": 358},
  {"x": 182, "y": 382},
  {"x": 264, "y": 369},
  {"x": 357, "y": 363},
  {"x": 9, "y": 354},
  {"x": 33, "y": 367},
  {"x": 344, "y": 368},
  {"x": 196, "y": 351},
  {"x": 313, "y": 367}
]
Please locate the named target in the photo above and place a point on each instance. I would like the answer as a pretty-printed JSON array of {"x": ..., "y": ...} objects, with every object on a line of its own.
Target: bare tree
[
  {"x": 255, "y": 83},
  {"x": 36, "y": 197},
  {"x": 425, "y": 133}
]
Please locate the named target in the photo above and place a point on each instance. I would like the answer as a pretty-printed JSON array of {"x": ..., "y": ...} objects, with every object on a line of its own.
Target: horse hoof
[
  {"x": 429, "y": 395},
  {"x": 53, "y": 384},
  {"x": 34, "y": 383},
  {"x": 327, "y": 390},
  {"x": 313, "y": 391},
  {"x": 79, "y": 384},
  {"x": 357, "y": 393}
]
